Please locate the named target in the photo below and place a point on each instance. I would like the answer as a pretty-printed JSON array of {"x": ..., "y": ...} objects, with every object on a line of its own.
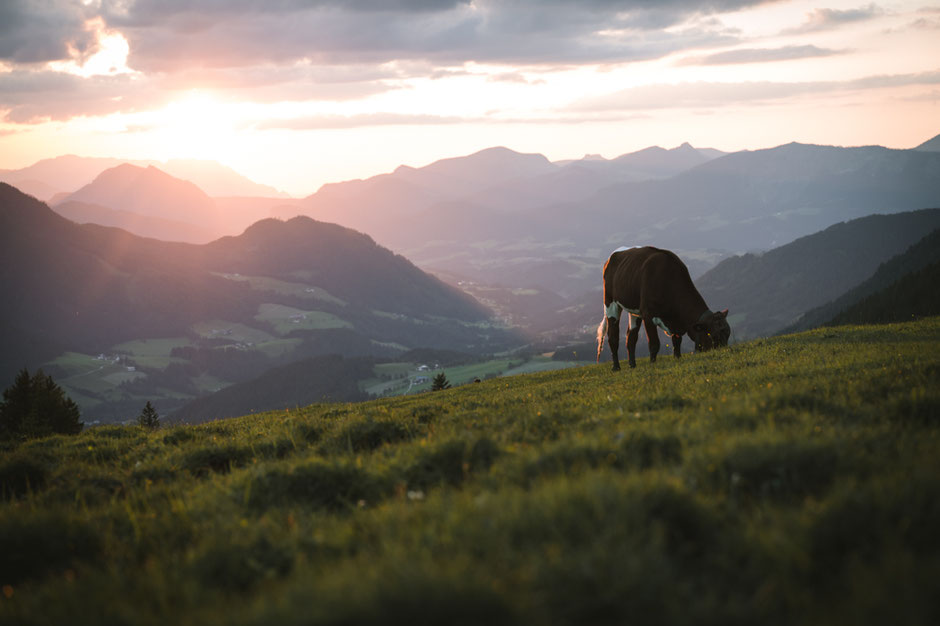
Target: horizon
[{"x": 296, "y": 97}]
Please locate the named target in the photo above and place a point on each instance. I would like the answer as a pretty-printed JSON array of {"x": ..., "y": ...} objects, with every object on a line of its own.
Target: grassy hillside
[{"x": 782, "y": 481}]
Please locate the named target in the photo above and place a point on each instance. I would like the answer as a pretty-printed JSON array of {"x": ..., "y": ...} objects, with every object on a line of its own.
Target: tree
[
  {"x": 35, "y": 406},
  {"x": 149, "y": 418},
  {"x": 440, "y": 382}
]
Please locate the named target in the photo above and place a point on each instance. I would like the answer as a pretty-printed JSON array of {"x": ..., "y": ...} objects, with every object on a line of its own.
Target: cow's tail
[{"x": 601, "y": 333}]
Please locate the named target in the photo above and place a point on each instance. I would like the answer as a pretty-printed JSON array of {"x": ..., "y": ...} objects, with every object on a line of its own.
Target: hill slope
[
  {"x": 234, "y": 307},
  {"x": 748, "y": 200},
  {"x": 767, "y": 292},
  {"x": 791, "y": 480},
  {"x": 913, "y": 296},
  {"x": 920, "y": 255},
  {"x": 68, "y": 173}
]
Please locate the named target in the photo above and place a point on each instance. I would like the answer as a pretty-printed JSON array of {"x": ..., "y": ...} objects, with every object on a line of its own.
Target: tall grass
[{"x": 786, "y": 480}]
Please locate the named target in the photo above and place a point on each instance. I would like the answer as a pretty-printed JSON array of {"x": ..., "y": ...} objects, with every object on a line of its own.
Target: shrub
[
  {"x": 219, "y": 459},
  {"x": 367, "y": 435},
  {"x": 37, "y": 544},
  {"x": 317, "y": 485},
  {"x": 452, "y": 462},
  {"x": 789, "y": 470},
  {"x": 179, "y": 435},
  {"x": 239, "y": 567},
  {"x": 642, "y": 450},
  {"x": 20, "y": 474},
  {"x": 311, "y": 433}
]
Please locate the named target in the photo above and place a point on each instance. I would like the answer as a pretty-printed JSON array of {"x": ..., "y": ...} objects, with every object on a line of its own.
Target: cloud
[
  {"x": 333, "y": 122},
  {"x": 172, "y": 35},
  {"x": 828, "y": 19},
  {"x": 30, "y": 96},
  {"x": 36, "y": 32},
  {"x": 761, "y": 55},
  {"x": 709, "y": 94}
]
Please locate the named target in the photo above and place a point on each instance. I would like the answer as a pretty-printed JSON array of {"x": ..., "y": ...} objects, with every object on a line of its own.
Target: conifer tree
[
  {"x": 35, "y": 406},
  {"x": 440, "y": 382},
  {"x": 149, "y": 418}
]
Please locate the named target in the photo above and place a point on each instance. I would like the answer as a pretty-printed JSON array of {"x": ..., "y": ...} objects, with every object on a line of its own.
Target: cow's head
[{"x": 711, "y": 331}]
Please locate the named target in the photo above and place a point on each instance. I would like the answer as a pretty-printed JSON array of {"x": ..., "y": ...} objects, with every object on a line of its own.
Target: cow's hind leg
[
  {"x": 632, "y": 337},
  {"x": 652, "y": 335},
  {"x": 677, "y": 345},
  {"x": 613, "y": 340}
]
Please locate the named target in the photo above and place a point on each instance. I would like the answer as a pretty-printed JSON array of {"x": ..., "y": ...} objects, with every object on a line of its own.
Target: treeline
[{"x": 914, "y": 296}]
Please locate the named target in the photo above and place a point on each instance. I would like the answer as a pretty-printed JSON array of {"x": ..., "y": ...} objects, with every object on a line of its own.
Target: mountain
[
  {"x": 218, "y": 180},
  {"x": 149, "y": 202},
  {"x": 553, "y": 228},
  {"x": 384, "y": 205},
  {"x": 61, "y": 174},
  {"x": 924, "y": 253},
  {"x": 902, "y": 301},
  {"x": 48, "y": 177},
  {"x": 147, "y": 191},
  {"x": 144, "y": 225},
  {"x": 931, "y": 145},
  {"x": 327, "y": 378},
  {"x": 183, "y": 319},
  {"x": 767, "y": 292}
]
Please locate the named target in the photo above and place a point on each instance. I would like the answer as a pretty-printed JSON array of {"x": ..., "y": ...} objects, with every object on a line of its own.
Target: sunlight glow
[{"x": 109, "y": 58}]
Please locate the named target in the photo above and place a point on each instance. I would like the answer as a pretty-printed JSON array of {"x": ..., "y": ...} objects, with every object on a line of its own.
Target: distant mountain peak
[{"x": 931, "y": 145}]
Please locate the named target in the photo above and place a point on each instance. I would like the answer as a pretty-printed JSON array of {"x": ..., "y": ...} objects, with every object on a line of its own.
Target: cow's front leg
[
  {"x": 632, "y": 337},
  {"x": 677, "y": 345},
  {"x": 613, "y": 340},
  {"x": 652, "y": 335}
]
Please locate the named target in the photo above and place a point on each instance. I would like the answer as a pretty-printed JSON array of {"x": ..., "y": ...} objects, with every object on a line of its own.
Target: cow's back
[
  {"x": 625, "y": 270},
  {"x": 647, "y": 277}
]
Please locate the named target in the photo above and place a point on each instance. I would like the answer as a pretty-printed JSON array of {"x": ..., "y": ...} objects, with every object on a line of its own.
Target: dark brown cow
[{"x": 655, "y": 288}]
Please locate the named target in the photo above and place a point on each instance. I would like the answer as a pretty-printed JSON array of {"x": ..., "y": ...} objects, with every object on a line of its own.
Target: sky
[{"x": 298, "y": 93}]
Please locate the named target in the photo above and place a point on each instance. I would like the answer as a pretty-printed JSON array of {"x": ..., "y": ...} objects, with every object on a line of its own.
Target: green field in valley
[{"x": 791, "y": 480}]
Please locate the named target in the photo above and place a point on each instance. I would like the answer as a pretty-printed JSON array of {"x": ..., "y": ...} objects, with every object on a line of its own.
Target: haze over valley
[
  {"x": 171, "y": 293},
  {"x": 200, "y": 194}
]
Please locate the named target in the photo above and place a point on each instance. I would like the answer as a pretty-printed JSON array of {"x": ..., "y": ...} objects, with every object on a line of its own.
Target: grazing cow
[{"x": 655, "y": 288}]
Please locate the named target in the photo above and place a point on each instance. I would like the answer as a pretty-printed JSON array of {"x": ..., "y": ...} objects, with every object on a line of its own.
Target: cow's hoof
[
  {"x": 615, "y": 368},
  {"x": 633, "y": 365}
]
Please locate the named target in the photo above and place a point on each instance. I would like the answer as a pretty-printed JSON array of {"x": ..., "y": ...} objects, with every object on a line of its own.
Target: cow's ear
[{"x": 723, "y": 313}]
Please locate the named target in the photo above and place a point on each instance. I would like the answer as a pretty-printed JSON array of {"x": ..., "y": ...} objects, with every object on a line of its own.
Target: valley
[{"x": 507, "y": 242}]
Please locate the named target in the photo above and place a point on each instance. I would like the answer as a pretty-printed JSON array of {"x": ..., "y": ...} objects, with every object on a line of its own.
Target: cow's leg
[
  {"x": 613, "y": 340},
  {"x": 632, "y": 337},
  {"x": 652, "y": 335},
  {"x": 677, "y": 345}
]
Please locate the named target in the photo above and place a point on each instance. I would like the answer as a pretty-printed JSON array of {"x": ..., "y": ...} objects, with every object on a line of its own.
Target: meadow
[{"x": 790, "y": 480}]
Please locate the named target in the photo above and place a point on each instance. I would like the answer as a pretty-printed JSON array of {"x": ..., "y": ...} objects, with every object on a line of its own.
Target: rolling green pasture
[
  {"x": 286, "y": 319},
  {"x": 302, "y": 290},
  {"x": 400, "y": 378},
  {"x": 154, "y": 353},
  {"x": 792, "y": 480}
]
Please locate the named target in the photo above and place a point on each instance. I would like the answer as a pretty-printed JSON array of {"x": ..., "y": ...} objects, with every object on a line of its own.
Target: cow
[{"x": 655, "y": 289}]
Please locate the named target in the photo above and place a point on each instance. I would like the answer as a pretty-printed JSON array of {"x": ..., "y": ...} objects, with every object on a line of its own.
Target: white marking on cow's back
[{"x": 622, "y": 248}]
